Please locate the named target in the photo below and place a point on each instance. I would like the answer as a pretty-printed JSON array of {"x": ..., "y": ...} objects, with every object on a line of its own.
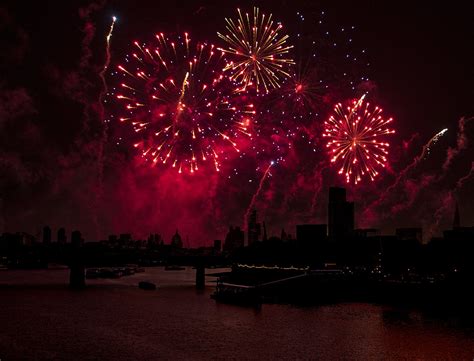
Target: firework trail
[
  {"x": 255, "y": 196},
  {"x": 427, "y": 148},
  {"x": 424, "y": 153},
  {"x": 354, "y": 139},
  {"x": 103, "y": 139},
  {"x": 402, "y": 174},
  {"x": 106, "y": 63},
  {"x": 260, "y": 52}
]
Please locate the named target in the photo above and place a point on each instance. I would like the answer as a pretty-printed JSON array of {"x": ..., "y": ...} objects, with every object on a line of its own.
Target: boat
[{"x": 147, "y": 286}]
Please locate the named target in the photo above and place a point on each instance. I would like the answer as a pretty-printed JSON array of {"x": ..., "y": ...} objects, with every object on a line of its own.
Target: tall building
[
  {"x": 265, "y": 238},
  {"x": 309, "y": 234},
  {"x": 340, "y": 214},
  {"x": 176, "y": 240},
  {"x": 254, "y": 229},
  {"x": 234, "y": 239},
  {"x": 62, "y": 237},
  {"x": 46, "y": 235}
]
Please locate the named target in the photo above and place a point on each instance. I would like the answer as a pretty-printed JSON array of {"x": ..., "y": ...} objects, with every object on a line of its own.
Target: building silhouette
[
  {"x": 154, "y": 241},
  {"x": 265, "y": 238},
  {"x": 46, "y": 235},
  {"x": 234, "y": 239},
  {"x": 340, "y": 214},
  {"x": 76, "y": 266},
  {"x": 176, "y": 240},
  {"x": 253, "y": 228},
  {"x": 62, "y": 237}
]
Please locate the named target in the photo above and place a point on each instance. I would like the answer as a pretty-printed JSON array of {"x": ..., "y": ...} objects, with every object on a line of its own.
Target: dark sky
[{"x": 57, "y": 165}]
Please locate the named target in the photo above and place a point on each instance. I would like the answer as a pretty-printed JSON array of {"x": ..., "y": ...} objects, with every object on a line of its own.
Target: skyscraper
[
  {"x": 254, "y": 229},
  {"x": 340, "y": 214}
]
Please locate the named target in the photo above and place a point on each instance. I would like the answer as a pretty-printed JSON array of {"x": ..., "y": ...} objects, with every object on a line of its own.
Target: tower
[
  {"x": 253, "y": 228},
  {"x": 340, "y": 214}
]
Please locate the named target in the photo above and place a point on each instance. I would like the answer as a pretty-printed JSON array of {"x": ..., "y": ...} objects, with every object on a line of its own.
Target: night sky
[{"x": 60, "y": 166}]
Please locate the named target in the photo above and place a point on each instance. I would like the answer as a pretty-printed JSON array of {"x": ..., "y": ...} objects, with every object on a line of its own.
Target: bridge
[{"x": 79, "y": 261}]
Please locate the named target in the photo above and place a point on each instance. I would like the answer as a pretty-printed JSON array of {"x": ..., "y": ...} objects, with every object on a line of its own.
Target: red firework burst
[
  {"x": 182, "y": 108},
  {"x": 357, "y": 139}
]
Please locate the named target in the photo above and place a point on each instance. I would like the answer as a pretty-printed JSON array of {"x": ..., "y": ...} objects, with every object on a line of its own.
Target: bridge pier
[
  {"x": 77, "y": 276},
  {"x": 200, "y": 277}
]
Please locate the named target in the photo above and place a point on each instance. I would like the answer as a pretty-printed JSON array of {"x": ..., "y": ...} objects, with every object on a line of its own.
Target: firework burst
[
  {"x": 260, "y": 52},
  {"x": 182, "y": 108},
  {"x": 356, "y": 139}
]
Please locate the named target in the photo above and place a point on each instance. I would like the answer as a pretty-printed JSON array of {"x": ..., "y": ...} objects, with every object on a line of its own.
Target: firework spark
[
  {"x": 180, "y": 104},
  {"x": 261, "y": 53},
  {"x": 354, "y": 139},
  {"x": 256, "y": 194}
]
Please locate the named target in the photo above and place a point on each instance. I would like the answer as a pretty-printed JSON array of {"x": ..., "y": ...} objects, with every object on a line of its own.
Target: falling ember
[
  {"x": 260, "y": 54},
  {"x": 356, "y": 140},
  {"x": 179, "y": 103},
  {"x": 255, "y": 196}
]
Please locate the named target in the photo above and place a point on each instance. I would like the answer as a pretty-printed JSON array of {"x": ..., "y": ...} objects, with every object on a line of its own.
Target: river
[{"x": 41, "y": 319}]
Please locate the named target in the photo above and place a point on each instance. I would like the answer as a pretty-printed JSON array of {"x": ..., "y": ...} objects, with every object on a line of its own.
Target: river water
[{"x": 41, "y": 319}]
